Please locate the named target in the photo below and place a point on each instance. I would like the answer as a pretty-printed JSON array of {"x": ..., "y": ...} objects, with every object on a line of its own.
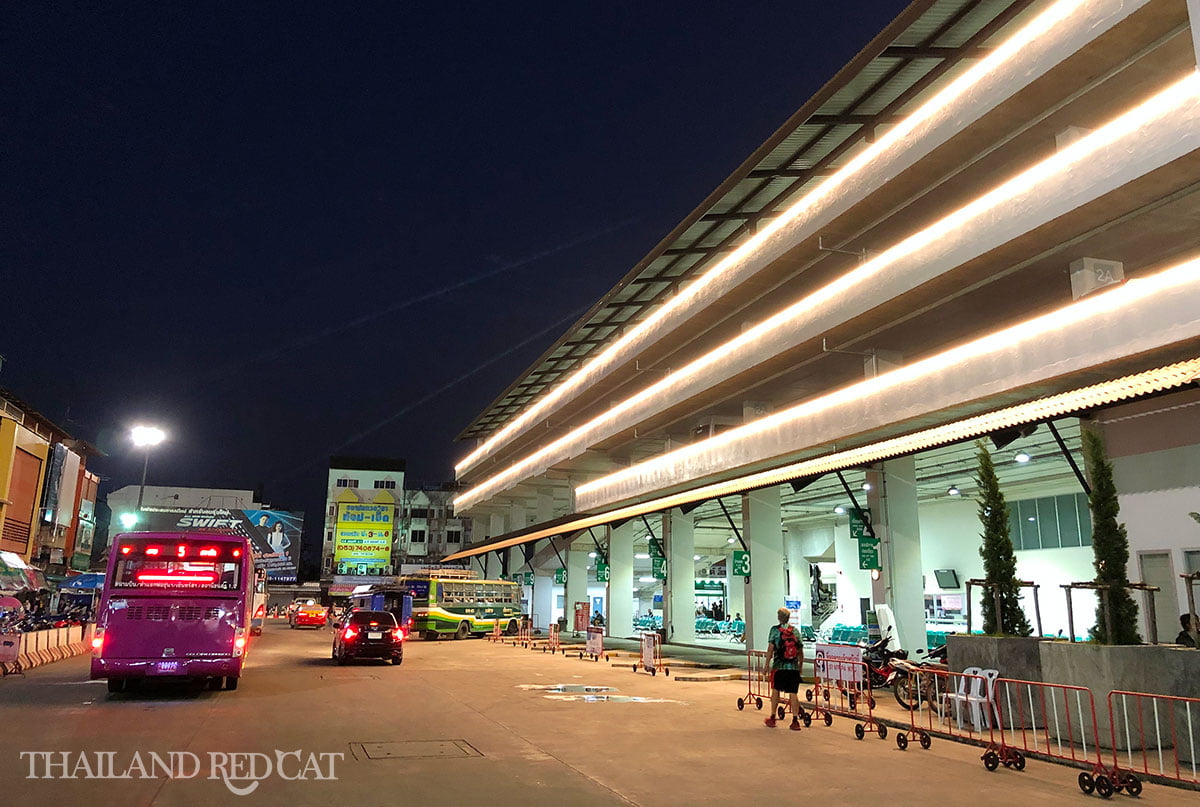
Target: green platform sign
[
  {"x": 560, "y": 576},
  {"x": 659, "y": 566},
  {"x": 868, "y": 546},
  {"x": 741, "y": 563},
  {"x": 601, "y": 572},
  {"x": 656, "y": 550},
  {"x": 529, "y": 578}
]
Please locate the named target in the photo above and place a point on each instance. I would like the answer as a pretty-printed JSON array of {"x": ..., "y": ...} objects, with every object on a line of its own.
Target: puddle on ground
[
  {"x": 611, "y": 699},
  {"x": 566, "y": 688}
]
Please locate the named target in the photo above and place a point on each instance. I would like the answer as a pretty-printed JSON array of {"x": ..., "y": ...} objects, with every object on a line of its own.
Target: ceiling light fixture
[
  {"x": 953, "y": 491},
  {"x": 642, "y": 556},
  {"x": 1022, "y": 457},
  {"x": 839, "y": 510}
]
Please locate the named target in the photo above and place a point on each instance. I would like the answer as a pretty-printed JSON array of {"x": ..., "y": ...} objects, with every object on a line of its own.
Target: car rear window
[{"x": 367, "y": 617}]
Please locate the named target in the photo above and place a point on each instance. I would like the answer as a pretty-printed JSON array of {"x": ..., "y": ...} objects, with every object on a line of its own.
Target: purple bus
[{"x": 174, "y": 606}]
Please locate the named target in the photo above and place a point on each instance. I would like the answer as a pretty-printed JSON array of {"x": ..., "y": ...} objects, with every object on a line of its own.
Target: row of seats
[{"x": 857, "y": 634}]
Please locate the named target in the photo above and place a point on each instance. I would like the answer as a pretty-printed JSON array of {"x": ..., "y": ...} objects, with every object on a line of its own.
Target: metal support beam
[
  {"x": 736, "y": 532},
  {"x": 1062, "y": 446},
  {"x": 854, "y": 501}
]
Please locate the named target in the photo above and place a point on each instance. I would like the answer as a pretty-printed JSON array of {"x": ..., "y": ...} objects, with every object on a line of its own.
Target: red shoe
[
  {"x": 770, "y": 722},
  {"x": 795, "y": 725}
]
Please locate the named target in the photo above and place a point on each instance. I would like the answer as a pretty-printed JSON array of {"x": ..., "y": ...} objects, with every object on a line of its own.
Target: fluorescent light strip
[
  {"x": 1107, "y": 392},
  {"x": 1179, "y": 276},
  {"x": 1011, "y": 47},
  {"x": 1058, "y": 164}
]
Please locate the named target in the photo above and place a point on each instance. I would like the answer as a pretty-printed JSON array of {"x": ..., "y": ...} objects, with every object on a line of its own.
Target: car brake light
[
  {"x": 98, "y": 641},
  {"x": 125, "y": 550},
  {"x": 398, "y": 634},
  {"x": 237, "y": 553},
  {"x": 262, "y": 609},
  {"x": 349, "y": 633},
  {"x": 152, "y": 550}
]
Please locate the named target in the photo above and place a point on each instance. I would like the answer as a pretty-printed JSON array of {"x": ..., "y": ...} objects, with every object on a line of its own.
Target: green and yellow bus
[{"x": 452, "y": 601}]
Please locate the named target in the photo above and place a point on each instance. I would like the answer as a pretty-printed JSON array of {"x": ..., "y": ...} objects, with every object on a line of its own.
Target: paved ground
[{"x": 511, "y": 745}]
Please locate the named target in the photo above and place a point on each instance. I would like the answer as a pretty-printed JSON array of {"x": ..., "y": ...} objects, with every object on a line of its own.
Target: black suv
[{"x": 368, "y": 634}]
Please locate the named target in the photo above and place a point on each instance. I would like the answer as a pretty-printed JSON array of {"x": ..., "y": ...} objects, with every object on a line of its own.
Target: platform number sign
[
  {"x": 741, "y": 563},
  {"x": 529, "y": 578},
  {"x": 659, "y": 568},
  {"x": 601, "y": 572},
  {"x": 560, "y": 576}
]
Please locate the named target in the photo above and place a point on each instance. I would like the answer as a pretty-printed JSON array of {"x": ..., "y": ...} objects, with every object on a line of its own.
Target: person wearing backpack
[{"x": 785, "y": 654}]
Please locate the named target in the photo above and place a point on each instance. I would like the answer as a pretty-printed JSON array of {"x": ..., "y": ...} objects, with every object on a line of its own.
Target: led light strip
[
  {"x": 1059, "y": 405},
  {"x": 1040, "y": 25},
  {"x": 1183, "y": 275},
  {"x": 1042, "y": 173}
]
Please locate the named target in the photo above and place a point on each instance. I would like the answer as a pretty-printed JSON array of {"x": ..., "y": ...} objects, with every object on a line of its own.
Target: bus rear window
[{"x": 144, "y": 572}]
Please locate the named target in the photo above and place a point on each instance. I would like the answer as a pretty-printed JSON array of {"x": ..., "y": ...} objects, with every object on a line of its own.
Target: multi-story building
[
  {"x": 374, "y": 526},
  {"x": 47, "y": 495}
]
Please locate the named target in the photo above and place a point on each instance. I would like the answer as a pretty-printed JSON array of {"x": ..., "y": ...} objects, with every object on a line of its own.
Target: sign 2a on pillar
[{"x": 868, "y": 544}]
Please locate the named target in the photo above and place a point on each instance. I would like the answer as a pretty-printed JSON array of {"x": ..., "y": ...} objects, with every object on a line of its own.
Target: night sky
[{"x": 282, "y": 234}]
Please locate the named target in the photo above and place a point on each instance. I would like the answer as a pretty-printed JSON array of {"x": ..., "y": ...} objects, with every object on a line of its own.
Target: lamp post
[{"x": 146, "y": 437}]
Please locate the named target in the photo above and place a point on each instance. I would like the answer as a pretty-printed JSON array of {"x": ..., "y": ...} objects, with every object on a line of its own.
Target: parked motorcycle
[
  {"x": 880, "y": 659},
  {"x": 915, "y": 681}
]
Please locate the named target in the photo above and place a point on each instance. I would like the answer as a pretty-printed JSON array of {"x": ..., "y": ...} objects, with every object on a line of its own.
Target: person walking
[{"x": 785, "y": 654}]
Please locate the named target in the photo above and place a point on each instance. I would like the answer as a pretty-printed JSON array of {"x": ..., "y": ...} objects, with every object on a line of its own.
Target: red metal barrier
[
  {"x": 524, "y": 633},
  {"x": 554, "y": 641},
  {"x": 758, "y": 680},
  {"x": 651, "y": 659},
  {"x": 1154, "y": 735},
  {"x": 842, "y": 686}
]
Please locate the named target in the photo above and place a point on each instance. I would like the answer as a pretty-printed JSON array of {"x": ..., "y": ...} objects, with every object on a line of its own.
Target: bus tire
[
  {"x": 431, "y": 635},
  {"x": 231, "y": 683},
  {"x": 464, "y": 630},
  {"x": 511, "y": 630},
  {"x": 116, "y": 685},
  {"x": 214, "y": 683}
]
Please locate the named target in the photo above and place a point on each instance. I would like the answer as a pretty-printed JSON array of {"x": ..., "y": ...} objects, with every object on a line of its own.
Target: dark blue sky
[{"x": 237, "y": 220}]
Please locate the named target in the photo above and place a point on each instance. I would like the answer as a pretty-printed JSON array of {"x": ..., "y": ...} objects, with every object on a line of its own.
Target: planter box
[{"x": 1015, "y": 657}]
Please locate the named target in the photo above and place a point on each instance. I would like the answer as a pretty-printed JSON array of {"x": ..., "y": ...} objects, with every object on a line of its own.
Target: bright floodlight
[
  {"x": 148, "y": 436},
  {"x": 128, "y": 520}
]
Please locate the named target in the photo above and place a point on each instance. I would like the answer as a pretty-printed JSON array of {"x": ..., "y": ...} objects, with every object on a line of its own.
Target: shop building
[{"x": 982, "y": 228}]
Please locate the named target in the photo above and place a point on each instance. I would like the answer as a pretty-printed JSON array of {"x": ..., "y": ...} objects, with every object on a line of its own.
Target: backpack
[{"x": 789, "y": 643}]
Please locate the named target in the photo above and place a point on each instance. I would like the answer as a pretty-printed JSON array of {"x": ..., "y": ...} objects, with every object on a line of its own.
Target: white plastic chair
[
  {"x": 978, "y": 700},
  {"x": 968, "y": 683}
]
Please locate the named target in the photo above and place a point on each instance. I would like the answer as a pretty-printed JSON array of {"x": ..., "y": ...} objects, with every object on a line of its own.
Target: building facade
[{"x": 980, "y": 229}]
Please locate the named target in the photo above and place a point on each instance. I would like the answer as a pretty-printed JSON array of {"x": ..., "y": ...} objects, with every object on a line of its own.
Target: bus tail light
[
  {"x": 98, "y": 642},
  {"x": 239, "y": 642},
  {"x": 348, "y": 634}
]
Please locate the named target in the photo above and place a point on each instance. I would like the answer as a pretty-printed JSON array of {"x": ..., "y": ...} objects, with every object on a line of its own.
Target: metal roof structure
[{"x": 927, "y": 42}]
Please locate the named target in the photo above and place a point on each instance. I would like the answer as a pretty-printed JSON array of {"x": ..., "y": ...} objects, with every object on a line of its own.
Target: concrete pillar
[
  {"x": 892, "y": 501},
  {"x": 735, "y": 586},
  {"x": 577, "y": 577},
  {"x": 518, "y": 517},
  {"x": 481, "y": 530},
  {"x": 679, "y": 593},
  {"x": 799, "y": 579},
  {"x": 543, "y": 598},
  {"x": 763, "y": 532},
  {"x": 620, "y": 580},
  {"x": 496, "y": 525}
]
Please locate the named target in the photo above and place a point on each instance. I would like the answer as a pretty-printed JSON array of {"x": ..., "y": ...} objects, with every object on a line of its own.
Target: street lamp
[{"x": 146, "y": 437}]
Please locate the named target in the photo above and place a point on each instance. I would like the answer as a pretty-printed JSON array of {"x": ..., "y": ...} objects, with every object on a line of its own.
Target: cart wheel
[
  {"x": 635, "y": 668},
  {"x": 1086, "y": 783},
  {"x": 859, "y": 731},
  {"x": 1133, "y": 785},
  {"x": 667, "y": 671},
  {"x": 1019, "y": 761},
  {"x": 806, "y": 720},
  {"x": 881, "y": 731},
  {"x": 1104, "y": 787},
  {"x": 902, "y": 741},
  {"x": 991, "y": 760},
  {"x": 871, "y": 702},
  {"x": 825, "y": 695},
  {"x": 741, "y": 704},
  {"x": 606, "y": 658},
  {"x": 828, "y": 719},
  {"x": 781, "y": 712},
  {"x": 758, "y": 703},
  {"x": 808, "y": 695},
  {"x": 926, "y": 740},
  {"x": 853, "y": 701},
  {"x": 652, "y": 670}
]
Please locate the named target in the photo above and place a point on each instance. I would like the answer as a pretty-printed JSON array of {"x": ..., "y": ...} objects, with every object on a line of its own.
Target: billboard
[
  {"x": 274, "y": 534},
  {"x": 363, "y": 537}
]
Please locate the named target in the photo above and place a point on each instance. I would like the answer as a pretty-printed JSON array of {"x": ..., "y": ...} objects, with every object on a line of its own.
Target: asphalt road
[{"x": 459, "y": 723}]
